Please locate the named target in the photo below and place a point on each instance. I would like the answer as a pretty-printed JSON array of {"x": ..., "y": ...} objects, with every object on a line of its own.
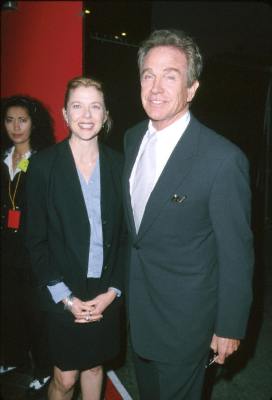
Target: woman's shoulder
[
  {"x": 43, "y": 161},
  {"x": 112, "y": 154},
  {"x": 48, "y": 154},
  {"x": 6, "y": 152}
]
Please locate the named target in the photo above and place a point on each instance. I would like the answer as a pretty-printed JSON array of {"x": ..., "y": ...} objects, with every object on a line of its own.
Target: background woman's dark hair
[{"x": 42, "y": 128}]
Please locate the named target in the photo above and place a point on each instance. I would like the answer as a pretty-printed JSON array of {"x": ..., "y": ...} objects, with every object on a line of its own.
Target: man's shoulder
[
  {"x": 133, "y": 134},
  {"x": 137, "y": 128},
  {"x": 213, "y": 141}
]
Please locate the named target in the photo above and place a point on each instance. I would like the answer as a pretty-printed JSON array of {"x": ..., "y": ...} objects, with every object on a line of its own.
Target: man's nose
[{"x": 157, "y": 86}]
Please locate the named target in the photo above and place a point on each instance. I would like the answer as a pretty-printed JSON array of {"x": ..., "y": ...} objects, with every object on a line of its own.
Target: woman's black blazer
[{"x": 57, "y": 226}]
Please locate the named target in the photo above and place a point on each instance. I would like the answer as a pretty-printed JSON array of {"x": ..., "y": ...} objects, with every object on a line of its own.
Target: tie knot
[
  {"x": 151, "y": 134},
  {"x": 144, "y": 177},
  {"x": 150, "y": 138}
]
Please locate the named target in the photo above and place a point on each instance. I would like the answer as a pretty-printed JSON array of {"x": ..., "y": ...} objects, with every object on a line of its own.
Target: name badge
[{"x": 14, "y": 217}]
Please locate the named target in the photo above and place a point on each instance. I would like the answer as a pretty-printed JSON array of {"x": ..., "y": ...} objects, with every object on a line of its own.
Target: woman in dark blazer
[
  {"x": 26, "y": 128},
  {"x": 75, "y": 236}
]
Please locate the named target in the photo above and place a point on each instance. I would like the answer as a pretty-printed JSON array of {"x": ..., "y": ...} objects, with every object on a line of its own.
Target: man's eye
[
  {"x": 147, "y": 76},
  {"x": 170, "y": 77}
]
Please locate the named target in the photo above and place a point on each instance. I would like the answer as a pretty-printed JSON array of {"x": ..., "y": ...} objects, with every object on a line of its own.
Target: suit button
[
  {"x": 105, "y": 267},
  {"x": 108, "y": 245},
  {"x": 136, "y": 246},
  {"x": 104, "y": 222}
]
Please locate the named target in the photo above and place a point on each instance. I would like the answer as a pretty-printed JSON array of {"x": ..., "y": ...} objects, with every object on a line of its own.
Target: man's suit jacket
[
  {"x": 192, "y": 259},
  {"x": 57, "y": 225}
]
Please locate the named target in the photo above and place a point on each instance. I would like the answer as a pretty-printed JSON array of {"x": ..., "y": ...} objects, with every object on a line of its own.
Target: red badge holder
[{"x": 14, "y": 219}]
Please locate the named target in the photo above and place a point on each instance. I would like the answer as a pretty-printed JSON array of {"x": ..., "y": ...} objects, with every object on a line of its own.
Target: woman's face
[
  {"x": 18, "y": 124},
  {"x": 85, "y": 113}
]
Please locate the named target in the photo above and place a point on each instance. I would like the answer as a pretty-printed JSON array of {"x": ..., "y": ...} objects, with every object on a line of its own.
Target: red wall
[{"x": 41, "y": 49}]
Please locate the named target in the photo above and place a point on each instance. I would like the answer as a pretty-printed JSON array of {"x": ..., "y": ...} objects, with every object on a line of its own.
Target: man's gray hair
[{"x": 181, "y": 41}]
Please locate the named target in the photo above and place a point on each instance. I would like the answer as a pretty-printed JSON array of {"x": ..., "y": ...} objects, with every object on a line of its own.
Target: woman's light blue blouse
[{"x": 92, "y": 197}]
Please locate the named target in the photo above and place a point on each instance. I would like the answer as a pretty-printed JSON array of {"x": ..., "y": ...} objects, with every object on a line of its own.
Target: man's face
[{"x": 164, "y": 91}]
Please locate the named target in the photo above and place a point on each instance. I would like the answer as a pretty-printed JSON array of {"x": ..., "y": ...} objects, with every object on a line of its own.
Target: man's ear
[{"x": 192, "y": 91}]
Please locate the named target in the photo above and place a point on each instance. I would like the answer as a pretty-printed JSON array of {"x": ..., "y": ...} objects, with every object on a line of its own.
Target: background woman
[
  {"x": 76, "y": 238},
  {"x": 26, "y": 128}
]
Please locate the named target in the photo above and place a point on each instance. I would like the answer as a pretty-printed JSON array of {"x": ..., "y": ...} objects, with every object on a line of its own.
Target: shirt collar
[
  {"x": 8, "y": 161},
  {"x": 178, "y": 126}
]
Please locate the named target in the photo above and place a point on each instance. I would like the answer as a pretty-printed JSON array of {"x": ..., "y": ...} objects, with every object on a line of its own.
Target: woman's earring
[{"x": 66, "y": 120}]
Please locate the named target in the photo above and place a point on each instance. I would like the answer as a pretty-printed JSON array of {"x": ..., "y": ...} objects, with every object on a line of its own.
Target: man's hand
[{"x": 224, "y": 347}]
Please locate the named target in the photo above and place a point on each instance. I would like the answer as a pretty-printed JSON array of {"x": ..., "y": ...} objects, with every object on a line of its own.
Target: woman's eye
[
  {"x": 76, "y": 106},
  {"x": 22, "y": 120}
]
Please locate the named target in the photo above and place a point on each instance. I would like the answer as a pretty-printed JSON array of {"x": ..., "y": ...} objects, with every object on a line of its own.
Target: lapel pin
[{"x": 178, "y": 199}]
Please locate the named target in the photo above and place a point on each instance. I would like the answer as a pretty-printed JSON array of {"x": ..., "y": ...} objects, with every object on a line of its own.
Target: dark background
[
  {"x": 115, "y": 61},
  {"x": 236, "y": 42}
]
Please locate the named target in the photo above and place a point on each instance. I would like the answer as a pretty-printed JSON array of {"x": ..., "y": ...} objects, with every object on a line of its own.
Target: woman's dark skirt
[{"x": 76, "y": 346}]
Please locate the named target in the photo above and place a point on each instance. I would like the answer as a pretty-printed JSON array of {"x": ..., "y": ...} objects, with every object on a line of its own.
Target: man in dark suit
[{"x": 187, "y": 201}]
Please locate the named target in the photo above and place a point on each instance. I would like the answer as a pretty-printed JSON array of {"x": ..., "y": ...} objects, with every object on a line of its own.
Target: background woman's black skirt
[{"x": 75, "y": 346}]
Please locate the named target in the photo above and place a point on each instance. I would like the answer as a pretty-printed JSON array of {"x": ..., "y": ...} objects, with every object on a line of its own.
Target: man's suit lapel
[
  {"x": 174, "y": 172},
  {"x": 131, "y": 155}
]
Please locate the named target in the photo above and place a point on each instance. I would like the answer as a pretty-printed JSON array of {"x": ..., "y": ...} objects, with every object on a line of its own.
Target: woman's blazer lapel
[
  {"x": 106, "y": 185},
  {"x": 108, "y": 193},
  {"x": 71, "y": 190}
]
